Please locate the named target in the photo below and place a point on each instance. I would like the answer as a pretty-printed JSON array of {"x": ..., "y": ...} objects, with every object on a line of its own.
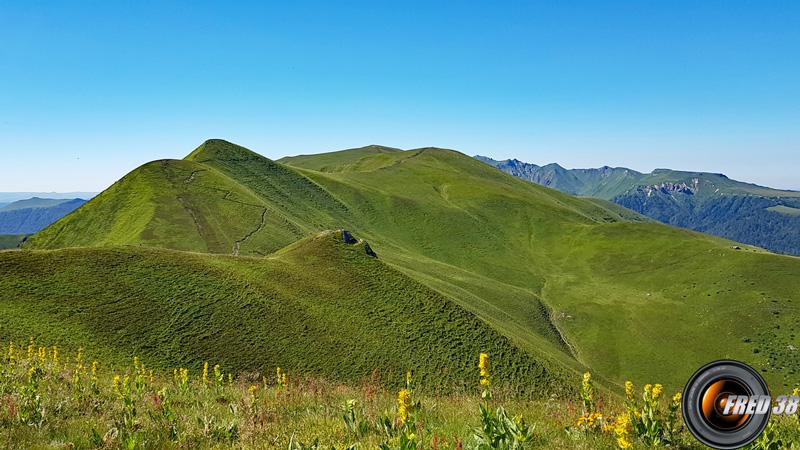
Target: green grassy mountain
[
  {"x": 310, "y": 307},
  {"x": 569, "y": 282},
  {"x": 707, "y": 202}
]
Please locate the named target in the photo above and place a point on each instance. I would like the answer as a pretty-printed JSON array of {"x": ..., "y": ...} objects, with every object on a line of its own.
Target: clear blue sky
[{"x": 90, "y": 90}]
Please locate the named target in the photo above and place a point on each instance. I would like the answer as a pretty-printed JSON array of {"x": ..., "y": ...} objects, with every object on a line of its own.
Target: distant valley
[{"x": 707, "y": 202}]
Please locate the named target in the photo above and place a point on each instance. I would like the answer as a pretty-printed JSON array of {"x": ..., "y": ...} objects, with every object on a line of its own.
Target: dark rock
[
  {"x": 348, "y": 238},
  {"x": 369, "y": 250}
]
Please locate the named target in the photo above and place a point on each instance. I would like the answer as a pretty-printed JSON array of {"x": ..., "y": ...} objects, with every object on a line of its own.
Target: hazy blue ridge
[{"x": 27, "y": 220}]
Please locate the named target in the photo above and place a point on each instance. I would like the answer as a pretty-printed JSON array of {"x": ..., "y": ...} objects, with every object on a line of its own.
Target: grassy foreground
[
  {"x": 49, "y": 399},
  {"x": 54, "y": 400}
]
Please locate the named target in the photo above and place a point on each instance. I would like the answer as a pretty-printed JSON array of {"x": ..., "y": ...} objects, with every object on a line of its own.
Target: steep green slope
[
  {"x": 195, "y": 205},
  {"x": 319, "y": 307},
  {"x": 624, "y": 296}
]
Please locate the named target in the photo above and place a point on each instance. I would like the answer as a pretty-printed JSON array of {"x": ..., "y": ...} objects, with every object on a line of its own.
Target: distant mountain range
[
  {"x": 34, "y": 214},
  {"x": 706, "y": 202},
  {"x": 8, "y": 197}
]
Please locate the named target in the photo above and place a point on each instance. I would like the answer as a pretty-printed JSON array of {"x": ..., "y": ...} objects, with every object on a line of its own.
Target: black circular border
[{"x": 693, "y": 419}]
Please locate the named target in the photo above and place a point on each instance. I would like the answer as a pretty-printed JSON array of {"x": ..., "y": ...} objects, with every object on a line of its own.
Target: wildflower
[
  {"x": 657, "y": 390},
  {"x": 281, "y": 377},
  {"x": 30, "y": 348},
  {"x": 648, "y": 392},
  {"x": 621, "y": 430},
  {"x": 55, "y": 357},
  {"x": 588, "y": 389},
  {"x": 205, "y": 373},
  {"x": 676, "y": 399},
  {"x": 136, "y": 363},
  {"x": 42, "y": 355},
  {"x": 94, "y": 371},
  {"x": 253, "y": 389},
  {"x": 115, "y": 386},
  {"x": 629, "y": 390},
  {"x": 217, "y": 374},
  {"x": 11, "y": 352},
  {"x": 587, "y": 393},
  {"x": 184, "y": 375},
  {"x": 403, "y": 405},
  {"x": 796, "y": 392},
  {"x": 485, "y": 374},
  {"x": 483, "y": 364}
]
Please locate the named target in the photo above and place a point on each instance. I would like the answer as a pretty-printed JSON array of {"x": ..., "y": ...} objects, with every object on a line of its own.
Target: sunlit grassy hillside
[
  {"x": 569, "y": 281},
  {"x": 322, "y": 307}
]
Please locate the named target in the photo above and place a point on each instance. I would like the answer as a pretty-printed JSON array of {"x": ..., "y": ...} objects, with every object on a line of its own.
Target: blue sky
[{"x": 90, "y": 90}]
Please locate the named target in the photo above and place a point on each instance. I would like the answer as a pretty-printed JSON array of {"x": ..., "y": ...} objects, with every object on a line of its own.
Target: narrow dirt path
[
  {"x": 237, "y": 244},
  {"x": 191, "y": 176}
]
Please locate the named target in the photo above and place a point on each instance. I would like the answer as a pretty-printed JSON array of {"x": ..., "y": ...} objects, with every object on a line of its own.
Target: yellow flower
[
  {"x": 11, "y": 352},
  {"x": 676, "y": 399},
  {"x": 30, "y": 348},
  {"x": 623, "y": 442},
  {"x": 94, "y": 370},
  {"x": 483, "y": 364},
  {"x": 253, "y": 389},
  {"x": 621, "y": 424},
  {"x": 42, "y": 355},
  {"x": 403, "y": 405},
  {"x": 280, "y": 377},
  {"x": 55, "y": 357},
  {"x": 629, "y": 390},
  {"x": 217, "y": 374},
  {"x": 115, "y": 385},
  {"x": 205, "y": 373},
  {"x": 796, "y": 392},
  {"x": 657, "y": 390}
]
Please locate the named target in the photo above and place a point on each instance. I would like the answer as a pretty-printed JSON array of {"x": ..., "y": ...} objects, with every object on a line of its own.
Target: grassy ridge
[
  {"x": 321, "y": 307},
  {"x": 618, "y": 292},
  {"x": 575, "y": 281}
]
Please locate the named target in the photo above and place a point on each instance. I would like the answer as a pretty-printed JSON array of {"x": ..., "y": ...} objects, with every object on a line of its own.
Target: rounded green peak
[{"x": 221, "y": 150}]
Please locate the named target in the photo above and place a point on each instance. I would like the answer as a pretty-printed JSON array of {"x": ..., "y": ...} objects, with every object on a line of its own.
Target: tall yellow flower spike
[
  {"x": 115, "y": 386},
  {"x": 403, "y": 404},
  {"x": 629, "y": 390}
]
